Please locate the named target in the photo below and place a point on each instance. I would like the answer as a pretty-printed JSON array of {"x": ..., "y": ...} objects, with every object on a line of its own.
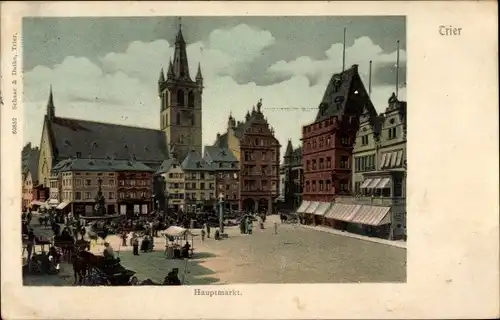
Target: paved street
[{"x": 295, "y": 255}]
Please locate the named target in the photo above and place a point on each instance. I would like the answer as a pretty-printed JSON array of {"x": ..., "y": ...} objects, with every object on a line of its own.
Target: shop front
[{"x": 134, "y": 207}]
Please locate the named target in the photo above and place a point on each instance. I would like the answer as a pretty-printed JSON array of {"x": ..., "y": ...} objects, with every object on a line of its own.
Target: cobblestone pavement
[{"x": 294, "y": 255}]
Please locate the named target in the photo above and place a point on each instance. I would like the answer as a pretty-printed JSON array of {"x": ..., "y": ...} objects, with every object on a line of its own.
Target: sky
[{"x": 107, "y": 69}]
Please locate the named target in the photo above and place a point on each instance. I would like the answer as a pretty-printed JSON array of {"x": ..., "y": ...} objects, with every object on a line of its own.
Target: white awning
[
  {"x": 342, "y": 212},
  {"x": 399, "y": 158},
  {"x": 63, "y": 205},
  {"x": 372, "y": 215},
  {"x": 374, "y": 183},
  {"x": 303, "y": 206},
  {"x": 312, "y": 207},
  {"x": 321, "y": 209},
  {"x": 365, "y": 183},
  {"x": 384, "y": 183},
  {"x": 37, "y": 203}
]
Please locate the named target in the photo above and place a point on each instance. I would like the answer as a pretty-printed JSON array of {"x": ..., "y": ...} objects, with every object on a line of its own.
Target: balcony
[{"x": 372, "y": 201}]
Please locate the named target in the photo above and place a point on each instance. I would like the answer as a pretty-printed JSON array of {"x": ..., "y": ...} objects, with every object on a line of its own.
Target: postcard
[{"x": 249, "y": 160}]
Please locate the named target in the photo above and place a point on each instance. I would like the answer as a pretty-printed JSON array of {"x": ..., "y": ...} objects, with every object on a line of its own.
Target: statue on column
[
  {"x": 159, "y": 192},
  {"x": 99, "y": 208}
]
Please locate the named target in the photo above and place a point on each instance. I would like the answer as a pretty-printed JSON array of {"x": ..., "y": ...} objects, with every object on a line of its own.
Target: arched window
[
  {"x": 191, "y": 99},
  {"x": 178, "y": 118},
  {"x": 180, "y": 98}
]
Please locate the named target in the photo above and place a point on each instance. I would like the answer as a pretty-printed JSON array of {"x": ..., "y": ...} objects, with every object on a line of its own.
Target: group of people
[{"x": 172, "y": 279}]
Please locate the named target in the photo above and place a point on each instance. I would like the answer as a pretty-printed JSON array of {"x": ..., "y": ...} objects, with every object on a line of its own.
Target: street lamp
[{"x": 221, "y": 212}]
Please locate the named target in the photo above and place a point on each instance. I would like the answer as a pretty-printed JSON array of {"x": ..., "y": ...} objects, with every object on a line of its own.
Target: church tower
[{"x": 181, "y": 103}]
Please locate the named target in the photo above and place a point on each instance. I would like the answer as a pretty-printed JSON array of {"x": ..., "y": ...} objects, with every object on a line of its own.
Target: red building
[
  {"x": 258, "y": 151},
  {"x": 135, "y": 191},
  {"x": 328, "y": 142}
]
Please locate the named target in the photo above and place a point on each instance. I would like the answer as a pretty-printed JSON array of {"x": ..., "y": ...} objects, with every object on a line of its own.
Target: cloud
[{"x": 121, "y": 87}]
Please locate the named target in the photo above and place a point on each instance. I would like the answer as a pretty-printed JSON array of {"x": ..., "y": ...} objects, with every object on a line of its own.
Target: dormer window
[
  {"x": 66, "y": 142},
  {"x": 133, "y": 157},
  {"x": 108, "y": 158},
  {"x": 125, "y": 146},
  {"x": 94, "y": 144}
]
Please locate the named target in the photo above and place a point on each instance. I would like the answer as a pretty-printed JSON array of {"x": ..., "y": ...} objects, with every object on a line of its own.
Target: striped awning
[
  {"x": 392, "y": 159},
  {"x": 384, "y": 183},
  {"x": 63, "y": 205},
  {"x": 343, "y": 212},
  {"x": 312, "y": 207},
  {"x": 365, "y": 183},
  {"x": 374, "y": 183},
  {"x": 303, "y": 206},
  {"x": 372, "y": 215},
  {"x": 321, "y": 209}
]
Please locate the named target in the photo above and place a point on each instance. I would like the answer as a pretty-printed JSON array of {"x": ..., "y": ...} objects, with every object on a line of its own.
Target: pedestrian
[
  {"x": 275, "y": 228},
  {"x": 135, "y": 244},
  {"x": 208, "y": 231},
  {"x": 202, "y": 234},
  {"x": 124, "y": 238},
  {"x": 250, "y": 226}
]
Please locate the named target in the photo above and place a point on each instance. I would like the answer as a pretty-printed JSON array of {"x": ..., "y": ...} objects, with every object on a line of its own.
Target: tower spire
[
  {"x": 181, "y": 66},
  {"x": 170, "y": 72},
  {"x": 51, "y": 109},
  {"x": 162, "y": 76},
  {"x": 198, "y": 74}
]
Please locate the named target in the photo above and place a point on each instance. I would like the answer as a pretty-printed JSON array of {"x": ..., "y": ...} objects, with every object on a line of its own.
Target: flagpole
[
  {"x": 370, "y": 80},
  {"x": 397, "y": 72},
  {"x": 343, "y": 52}
]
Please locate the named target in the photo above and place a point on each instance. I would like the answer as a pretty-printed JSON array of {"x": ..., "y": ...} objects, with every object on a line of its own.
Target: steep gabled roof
[
  {"x": 101, "y": 165},
  {"x": 336, "y": 94},
  {"x": 221, "y": 141},
  {"x": 102, "y": 140},
  {"x": 166, "y": 165},
  {"x": 195, "y": 162}
]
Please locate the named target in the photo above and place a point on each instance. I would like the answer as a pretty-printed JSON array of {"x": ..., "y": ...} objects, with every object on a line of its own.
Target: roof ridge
[{"x": 106, "y": 123}]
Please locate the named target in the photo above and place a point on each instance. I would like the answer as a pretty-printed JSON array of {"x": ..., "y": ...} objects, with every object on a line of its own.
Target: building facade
[
  {"x": 29, "y": 177},
  {"x": 292, "y": 177},
  {"x": 379, "y": 170},
  {"x": 125, "y": 185},
  {"x": 199, "y": 183},
  {"x": 181, "y": 103},
  {"x": 253, "y": 143},
  {"x": 171, "y": 170},
  {"x": 227, "y": 170},
  {"x": 328, "y": 142}
]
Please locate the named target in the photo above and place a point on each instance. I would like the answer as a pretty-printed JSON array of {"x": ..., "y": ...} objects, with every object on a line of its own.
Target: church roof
[
  {"x": 81, "y": 138},
  {"x": 101, "y": 165}
]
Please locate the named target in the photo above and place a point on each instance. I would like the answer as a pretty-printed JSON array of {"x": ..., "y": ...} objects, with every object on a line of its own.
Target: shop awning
[
  {"x": 365, "y": 183},
  {"x": 372, "y": 215},
  {"x": 321, "y": 209},
  {"x": 399, "y": 160},
  {"x": 63, "y": 205},
  {"x": 303, "y": 206},
  {"x": 343, "y": 212},
  {"x": 37, "y": 203},
  {"x": 374, "y": 183},
  {"x": 312, "y": 207},
  {"x": 384, "y": 183}
]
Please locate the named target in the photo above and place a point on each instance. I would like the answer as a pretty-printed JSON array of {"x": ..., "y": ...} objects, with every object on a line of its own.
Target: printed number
[{"x": 14, "y": 125}]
